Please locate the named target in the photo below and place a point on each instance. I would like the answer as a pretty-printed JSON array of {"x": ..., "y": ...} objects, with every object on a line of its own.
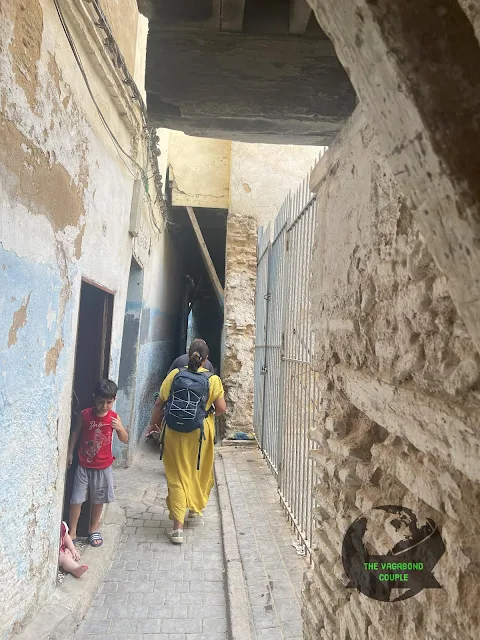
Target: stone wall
[
  {"x": 398, "y": 422},
  {"x": 239, "y": 313}
]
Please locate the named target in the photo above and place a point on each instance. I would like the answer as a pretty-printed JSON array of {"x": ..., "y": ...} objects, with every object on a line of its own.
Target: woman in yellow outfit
[{"x": 189, "y": 488}]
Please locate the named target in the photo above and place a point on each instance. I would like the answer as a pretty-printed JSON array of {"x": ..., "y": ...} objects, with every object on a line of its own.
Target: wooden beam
[
  {"x": 231, "y": 15},
  {"x": 299, "y": 17},
  {"x": 206, "y": 257}
]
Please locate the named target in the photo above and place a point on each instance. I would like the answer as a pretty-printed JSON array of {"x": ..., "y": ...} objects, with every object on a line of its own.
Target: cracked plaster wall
[
  {"x": 199, "y": 171},
  {"x": 400, "y": 399},
  {"x": 65, "y": 198}
]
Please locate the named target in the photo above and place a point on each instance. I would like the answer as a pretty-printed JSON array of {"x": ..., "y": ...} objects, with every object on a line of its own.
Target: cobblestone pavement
[
  {"x": 272, "y": 567},
  {"x": 155, "y": 590}
]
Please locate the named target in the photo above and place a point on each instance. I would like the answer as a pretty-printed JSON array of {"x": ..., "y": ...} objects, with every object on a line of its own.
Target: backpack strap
[{"x": 162, "y": 438}]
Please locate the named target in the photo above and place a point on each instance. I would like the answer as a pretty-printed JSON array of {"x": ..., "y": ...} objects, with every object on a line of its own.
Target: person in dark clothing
[
  {"x": 182, "y": 361},
  {"x": 198, "y": 345}
]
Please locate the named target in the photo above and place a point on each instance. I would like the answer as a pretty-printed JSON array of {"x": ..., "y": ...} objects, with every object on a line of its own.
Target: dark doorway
[
  {"x": 200, "y": 314},
  {"x": 92, "y": 357}
]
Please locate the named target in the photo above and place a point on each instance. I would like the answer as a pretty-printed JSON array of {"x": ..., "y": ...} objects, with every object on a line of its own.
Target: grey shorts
[{"x": 96, "y": 482}]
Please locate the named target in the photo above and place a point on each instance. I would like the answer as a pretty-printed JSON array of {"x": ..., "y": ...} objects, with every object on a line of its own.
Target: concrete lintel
[{"x": 231, "y": 84}]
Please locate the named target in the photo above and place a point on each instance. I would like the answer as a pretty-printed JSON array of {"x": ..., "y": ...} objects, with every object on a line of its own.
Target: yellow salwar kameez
[{"x": 187, "y": 487}]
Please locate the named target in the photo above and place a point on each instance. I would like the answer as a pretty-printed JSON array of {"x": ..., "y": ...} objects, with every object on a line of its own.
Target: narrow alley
[
  {"x": 154, "y": 590},
  {"x": 240, "y": 320}
]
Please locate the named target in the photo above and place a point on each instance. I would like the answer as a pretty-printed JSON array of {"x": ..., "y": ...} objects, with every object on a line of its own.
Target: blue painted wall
[{"x": 31, "y": 485}]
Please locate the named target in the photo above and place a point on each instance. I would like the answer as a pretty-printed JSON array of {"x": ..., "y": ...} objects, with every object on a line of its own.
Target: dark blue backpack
[{"x": 185, "y": 410}]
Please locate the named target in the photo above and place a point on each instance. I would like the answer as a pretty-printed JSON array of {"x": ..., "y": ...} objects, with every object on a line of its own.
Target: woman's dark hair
[
  {"x": 197, "y": 353},
  {"x": 105, "y": 389}
]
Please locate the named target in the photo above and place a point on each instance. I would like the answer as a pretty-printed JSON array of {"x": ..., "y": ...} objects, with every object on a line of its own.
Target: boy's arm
[
  {"x": 73, "y": 439},
  {"x": 120, "y": 429}
]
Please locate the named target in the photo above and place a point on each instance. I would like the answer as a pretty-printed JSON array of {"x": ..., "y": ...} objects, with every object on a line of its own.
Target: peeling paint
[
  {"x": 52, "y": 355},
  {"x": 42, "y": 187},
  {"x": 25, "y": 47},
  {"x": 19, "y": 321}
]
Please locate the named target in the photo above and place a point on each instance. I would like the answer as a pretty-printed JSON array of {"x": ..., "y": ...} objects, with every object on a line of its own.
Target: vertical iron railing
[
  {"x": 286, "y": 392},
  {"x": 271, "y": 442},
  {"x": 296, "y": 479},
  {"x": 261, "y": 300}
]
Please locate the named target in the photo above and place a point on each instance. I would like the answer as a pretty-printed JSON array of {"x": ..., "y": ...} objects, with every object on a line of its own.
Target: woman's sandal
[{"x": 95, "y": 538}]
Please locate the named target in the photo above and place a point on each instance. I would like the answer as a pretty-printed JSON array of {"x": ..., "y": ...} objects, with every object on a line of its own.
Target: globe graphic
[{"x": 391, "y": 534}]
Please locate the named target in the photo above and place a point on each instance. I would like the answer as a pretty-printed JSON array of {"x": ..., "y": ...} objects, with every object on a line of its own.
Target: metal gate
[{"x": 286, "y": 392}]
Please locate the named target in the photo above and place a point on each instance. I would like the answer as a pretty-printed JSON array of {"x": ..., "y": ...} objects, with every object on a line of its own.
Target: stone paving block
[
  {"x": 150, "y": 625},
  {"x": 127, "y": 611},
  {"x": 274, "y": 633},
  {"x": 135, "y": 598},
  {"x": 163, "y": 636},
  {"x": 213, "y": 625},
  {"x": 181, "y": 587},
  {"x": 202, "y": 613},
  {"x": 97, "y": 613},
  {"x": 293, "y": 628},
  {"x": 136, "y": 587},
  {"x": 264, "y": 617},
  {"x": 182, "y": 625},
  {"x": 288, "y": 610},
  {"x": 155, "y": 598},
  {"x": 173, "y": 599},
  {"x": 205, "y": 587},
  {"x": 168, "y": 575},
  {"x": 210, "y": 636},
  {"x": 101, "y": 627},
  {"x": 159, "y": 611}
]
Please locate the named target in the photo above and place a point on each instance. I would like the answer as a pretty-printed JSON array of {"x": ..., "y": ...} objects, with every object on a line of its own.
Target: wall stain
[
  {"x": 26, "y": 45},
  {"x": 19, "y": 321},
  {"x": 55, "y": 73},
  {"x": 52, "y": 355},
  {"x": 247, "y": 188},
  {"x": 44, "y": 188}
]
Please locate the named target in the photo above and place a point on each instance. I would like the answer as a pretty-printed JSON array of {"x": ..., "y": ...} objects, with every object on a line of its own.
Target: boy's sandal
[
  {"x": 95, "y": 539},
  {"x": 75, "y": 541}
]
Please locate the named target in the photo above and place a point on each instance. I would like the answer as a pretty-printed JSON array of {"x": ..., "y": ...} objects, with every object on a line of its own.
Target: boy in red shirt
[{"x": 94, "y": 475}]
